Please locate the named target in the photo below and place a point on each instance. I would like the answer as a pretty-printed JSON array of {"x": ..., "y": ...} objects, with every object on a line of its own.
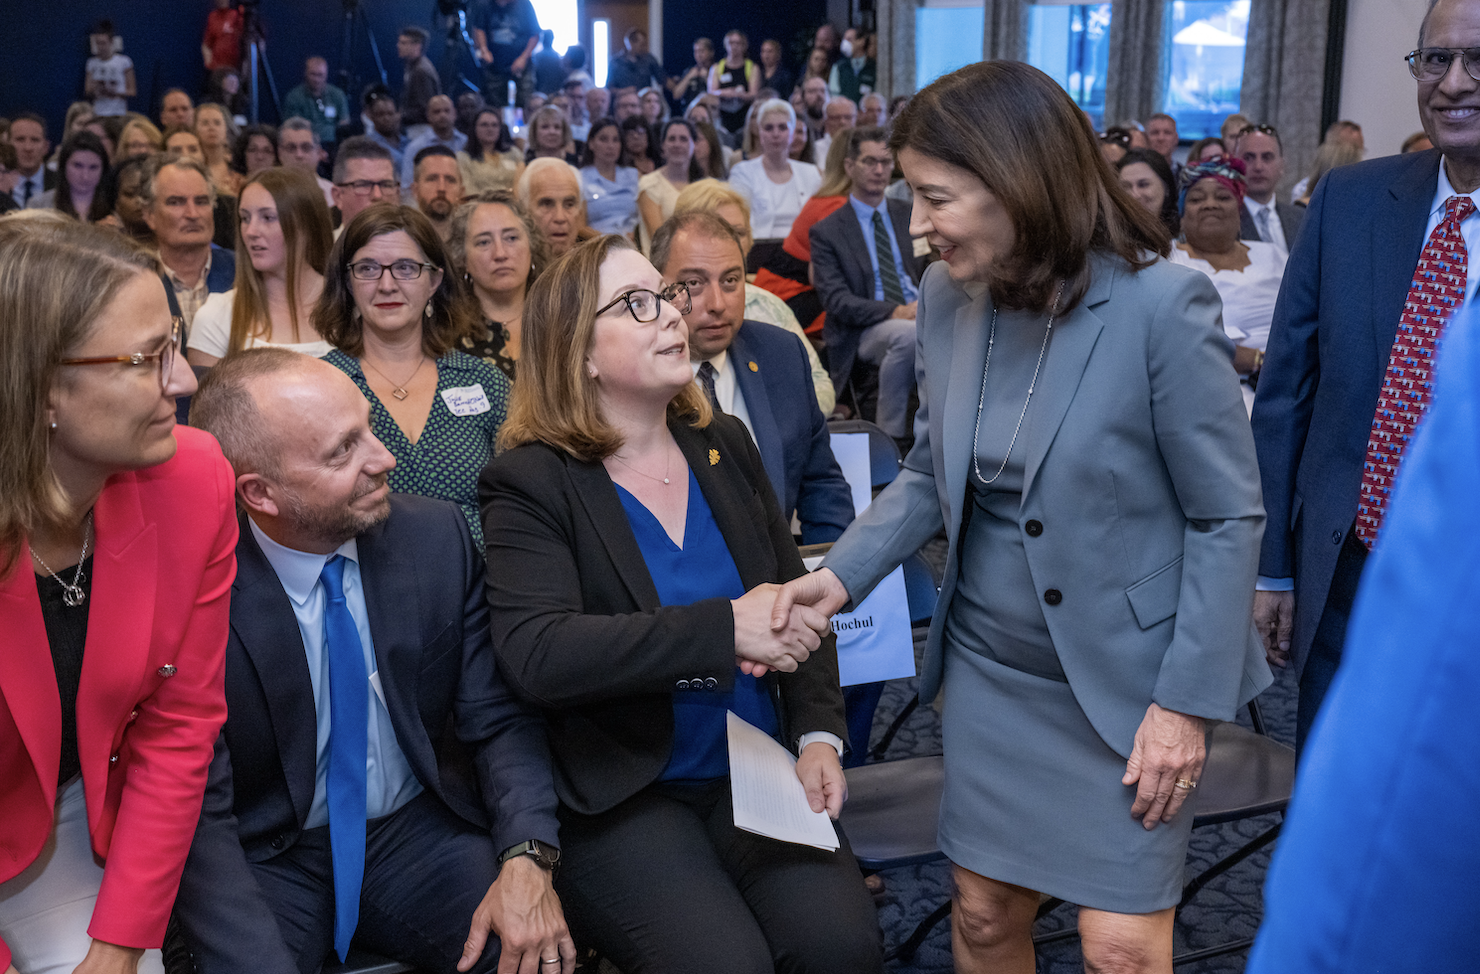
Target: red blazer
[{"x": 162, "y": 572}]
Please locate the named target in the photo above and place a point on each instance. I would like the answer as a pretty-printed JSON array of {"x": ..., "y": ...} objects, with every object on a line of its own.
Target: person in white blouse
[
  {"x": 659, "y": 189},
  {"x": 1247, "y": 273},
  {"x": 775, "y": 185},
  {"x": 282, "y": 246}
]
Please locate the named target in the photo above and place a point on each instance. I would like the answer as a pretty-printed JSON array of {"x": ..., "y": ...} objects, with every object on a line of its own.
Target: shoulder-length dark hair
[
  {"x": 695, "y": 173},
  {"x": 1011, "y": 126},
  {"x": 555, "y": 400},
  {"x": 717, "y": 167},
  {"x": 1163, "y": 170},
  {"x": 454, "y": 313},
  {"x": 630, "y": 124},
  {"x": 102, "y": 200},
  {"x": 238, "y": 162},
  {"x": 476, "y": 149},
  {"x": 588, "y": 158}
]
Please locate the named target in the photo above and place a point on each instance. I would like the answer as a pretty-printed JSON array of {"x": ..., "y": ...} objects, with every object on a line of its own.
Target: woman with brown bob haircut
[
  {"x": 395, "y": 311},
  {"x": 1083, "y": 410},
  {"x": 282, "y": 250},
  {"x": 633, "y": 543}
]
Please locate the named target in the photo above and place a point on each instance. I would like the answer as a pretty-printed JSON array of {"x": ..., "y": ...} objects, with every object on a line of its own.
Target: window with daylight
[
  {"x": 1070, "y": 42},
  {"x": 948, "y": 36},
  {"x": 1205, "y": 61}
]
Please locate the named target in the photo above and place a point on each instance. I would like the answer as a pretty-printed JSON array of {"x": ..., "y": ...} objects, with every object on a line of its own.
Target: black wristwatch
[{"x": 543, "y": 853}]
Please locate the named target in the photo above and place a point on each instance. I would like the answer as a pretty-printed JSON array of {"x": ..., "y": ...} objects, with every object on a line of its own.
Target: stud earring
[{"x": 53, "y": 427}]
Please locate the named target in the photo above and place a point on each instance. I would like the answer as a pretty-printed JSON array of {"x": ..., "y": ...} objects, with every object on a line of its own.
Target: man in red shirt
[{"x": 221, "y": 46}]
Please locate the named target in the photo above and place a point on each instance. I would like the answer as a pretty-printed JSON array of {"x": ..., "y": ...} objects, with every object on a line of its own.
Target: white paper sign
[
  {"x": 851, "y": 452},
  {"x": 766, "y": 794},
  {"x": 466, "y": 400}
]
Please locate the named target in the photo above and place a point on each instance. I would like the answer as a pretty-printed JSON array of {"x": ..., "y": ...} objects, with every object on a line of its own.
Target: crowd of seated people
[{"x": 520, "y": 404}]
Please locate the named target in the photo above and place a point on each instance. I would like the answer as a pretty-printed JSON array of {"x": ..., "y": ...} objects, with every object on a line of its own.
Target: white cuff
[
  {"x": 812, "y": 737},
  {"x": 1267, "y": 584}
]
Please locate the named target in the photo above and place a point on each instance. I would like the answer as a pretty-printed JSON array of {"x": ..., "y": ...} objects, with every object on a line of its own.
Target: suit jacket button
[
  {"x": 1336, "y": 537},
  {"x": 681, "y": 685},
  {"x": 710, "y": 683},
  {"x": 278, "y": 842},
  {"x": 1034, "y": 528},
  {"x": 113, "y": 759},
  {"x": 133, "y": 716},
  {"x": 1053, "y": 596}
]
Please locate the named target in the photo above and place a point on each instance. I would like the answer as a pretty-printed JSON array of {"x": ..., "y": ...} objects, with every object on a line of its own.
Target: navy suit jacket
[
  {"x": 1334, "y": 324},
  {"x": 774, "y": 376},
  {"x": 1292, "y": 217},
  {"x": 844, "y": 278},
  {"x": 424, "y": 594}
]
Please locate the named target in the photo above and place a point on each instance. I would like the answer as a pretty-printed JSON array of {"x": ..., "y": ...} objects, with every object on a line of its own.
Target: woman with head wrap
[{"x": 1247, "y": 273}]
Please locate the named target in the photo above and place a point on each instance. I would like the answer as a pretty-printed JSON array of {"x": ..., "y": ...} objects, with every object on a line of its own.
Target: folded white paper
[{"x": 767, "y": 795}]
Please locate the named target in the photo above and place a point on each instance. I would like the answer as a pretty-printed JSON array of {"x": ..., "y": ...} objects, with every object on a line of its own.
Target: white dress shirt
[
  {"x": 1276, "y": 228},
  {"x": 389, "y": 780},
  {"x": 727, "y": 389}
]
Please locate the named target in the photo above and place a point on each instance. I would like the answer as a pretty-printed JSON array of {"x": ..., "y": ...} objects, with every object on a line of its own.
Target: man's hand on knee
[
  {"x": 522, "y": 910},
  {"x": 905, "y": 311}
]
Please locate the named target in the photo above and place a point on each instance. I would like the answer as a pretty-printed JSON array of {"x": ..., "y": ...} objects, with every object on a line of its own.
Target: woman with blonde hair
[
  {"x": 117, "y": 549},
  {"x": 499, "y": 252},
  {"x": 775, "y": 185},
  {"x": 1329, "y": 155},
  {"x": 282, "y": 251},
  {"x": 217, "y": 134},
  {"x": 139, "y": 137},
  {"x": 550, "y": 136},
  {"x": 632, "y": 534}
]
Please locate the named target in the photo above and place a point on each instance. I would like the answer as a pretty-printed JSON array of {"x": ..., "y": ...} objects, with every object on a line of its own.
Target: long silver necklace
[
  {"x": 667, "y": 463},
  {"x": 982, "y": 399},
  {"x": 72, "y": 592}
]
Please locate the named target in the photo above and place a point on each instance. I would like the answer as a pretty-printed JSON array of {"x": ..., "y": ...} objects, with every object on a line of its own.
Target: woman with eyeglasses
[
  {"x": 117, "y": 550},
  {"x": 282, "y": 250},
  {"x": 395, "y": 313},
  {"x": 633, "y": 543}
]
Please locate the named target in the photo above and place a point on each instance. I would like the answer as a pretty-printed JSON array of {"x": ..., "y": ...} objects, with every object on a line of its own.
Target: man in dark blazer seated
[
  {"x": 1264, "y": 215},
  {"x": 1331, "y": 417},
  {"x": 426, "y": 832},
  {"x": 756, "y": 372},
  {"x": 870, "y": 304}
]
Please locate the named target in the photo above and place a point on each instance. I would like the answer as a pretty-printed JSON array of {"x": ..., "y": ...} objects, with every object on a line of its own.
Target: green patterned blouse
[{"x": 471, "y": 402}]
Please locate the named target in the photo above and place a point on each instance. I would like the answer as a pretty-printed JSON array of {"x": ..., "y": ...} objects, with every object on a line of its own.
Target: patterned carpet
[{"x": 1229, "y": 908}]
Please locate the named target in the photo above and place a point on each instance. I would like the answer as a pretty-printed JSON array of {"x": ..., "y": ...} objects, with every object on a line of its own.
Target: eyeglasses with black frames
[{"x": 646, "y": 305}]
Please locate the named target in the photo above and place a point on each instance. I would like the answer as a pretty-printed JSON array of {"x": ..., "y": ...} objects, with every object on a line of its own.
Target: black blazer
[
  {"x": 429, "y": 620},
  {"x": 844, "y": 278},
  {"x": 577, "y": 622},
  {"x": 1292, "y": 217}
]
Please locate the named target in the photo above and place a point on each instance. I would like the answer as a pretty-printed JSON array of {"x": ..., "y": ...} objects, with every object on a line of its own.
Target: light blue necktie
[{"x": 349, "y": 704}]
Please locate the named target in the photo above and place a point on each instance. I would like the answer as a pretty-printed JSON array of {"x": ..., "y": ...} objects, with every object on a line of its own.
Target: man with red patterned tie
[{"x": 1385, "y": 260}]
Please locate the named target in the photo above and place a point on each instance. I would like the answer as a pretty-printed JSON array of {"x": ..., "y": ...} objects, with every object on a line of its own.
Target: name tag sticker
[
  {"x": 921, "y": 245},
  {"x": 466, "y": 401},
  {"x": 330, "y": 111}
]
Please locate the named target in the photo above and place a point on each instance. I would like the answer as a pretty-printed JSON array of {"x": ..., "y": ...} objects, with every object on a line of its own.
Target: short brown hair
[
  {"x": 1011, "y": 126},
  {"x": 336, "y": 318},
  {"x": 701, "y": 222},
  {"x": 56, "y": 278},
  {"x": 555, "y": 401}
]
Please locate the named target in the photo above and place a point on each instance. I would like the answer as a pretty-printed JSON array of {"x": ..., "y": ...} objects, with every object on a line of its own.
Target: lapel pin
[
  {"x": 168, "y": 669},
  {"x": 754, "y": 367},
  {"x": 713, "y": 457}
]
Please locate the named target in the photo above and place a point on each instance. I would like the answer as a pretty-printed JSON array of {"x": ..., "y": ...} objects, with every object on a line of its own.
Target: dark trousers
[
  {"x": 426, "y": 871},
  {"x": 1330, "y": 636},
  {"x": 665, "y": 883},
  {"x": 859, "y": 704}
]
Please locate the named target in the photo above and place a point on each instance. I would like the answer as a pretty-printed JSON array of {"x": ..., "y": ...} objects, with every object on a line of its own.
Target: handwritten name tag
[
  {"x": 921, "y": 245},
  {"x": 466, "y": 401}
]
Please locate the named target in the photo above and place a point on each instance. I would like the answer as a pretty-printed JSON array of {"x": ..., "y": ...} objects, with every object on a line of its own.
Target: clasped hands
[{"x": 778, "y": 626}]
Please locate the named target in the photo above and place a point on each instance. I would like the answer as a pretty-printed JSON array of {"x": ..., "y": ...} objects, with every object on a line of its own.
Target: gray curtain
[
  {"x": 1284, "y": 73},
  {"x": 896, "y": 57},
  {"x": 1136, "y": 73},
  {"x": 1005, "y": 33}
]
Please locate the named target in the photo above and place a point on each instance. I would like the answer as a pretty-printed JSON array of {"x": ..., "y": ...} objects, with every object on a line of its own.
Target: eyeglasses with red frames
[{"x": 165, "y": 357}]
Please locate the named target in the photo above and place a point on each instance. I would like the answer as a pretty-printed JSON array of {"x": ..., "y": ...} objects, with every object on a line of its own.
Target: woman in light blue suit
[{"x": 1082, "y": 439}]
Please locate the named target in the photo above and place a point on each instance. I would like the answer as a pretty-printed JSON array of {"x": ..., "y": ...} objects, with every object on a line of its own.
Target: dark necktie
[
  {"x": 27, "y": 183},
  {"x": 888, "y": 276},
  {"x": 706, "y": 379},
  {"x": 349, "y": 703},
  {"x": 1437, "y": 290}
]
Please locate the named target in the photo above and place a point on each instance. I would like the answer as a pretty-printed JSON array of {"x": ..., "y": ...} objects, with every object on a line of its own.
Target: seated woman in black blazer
[{"x": 633, "y": 546}]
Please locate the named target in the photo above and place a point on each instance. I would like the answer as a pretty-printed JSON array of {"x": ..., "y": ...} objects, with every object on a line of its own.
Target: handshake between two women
[{"x": 778, "y": 626}]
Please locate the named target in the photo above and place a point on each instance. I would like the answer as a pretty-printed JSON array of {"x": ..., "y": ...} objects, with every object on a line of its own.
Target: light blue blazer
[{"x": 1141, "y": 478}]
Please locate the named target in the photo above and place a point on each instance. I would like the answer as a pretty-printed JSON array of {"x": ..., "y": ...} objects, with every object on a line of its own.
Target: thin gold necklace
[
  {"x": 397, "y": 390},
  {"x": 667, "y": 464}
]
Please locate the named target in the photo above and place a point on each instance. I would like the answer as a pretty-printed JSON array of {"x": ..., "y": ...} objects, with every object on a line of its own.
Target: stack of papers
[{"x": 768, "y": 796}]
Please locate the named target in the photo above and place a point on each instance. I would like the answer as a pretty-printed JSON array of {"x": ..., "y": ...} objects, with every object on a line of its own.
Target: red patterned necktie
[{"x": 1438, "y": 289}]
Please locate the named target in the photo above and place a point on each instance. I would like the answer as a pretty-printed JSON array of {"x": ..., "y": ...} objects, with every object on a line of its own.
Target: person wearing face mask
[
  {"x": 1077, "y": 400},
  {"x": 499, "y": 251},
  {"x": 856, "y": 73},
  {"x": 282, "y": 250},
  {"x": 1247, "y": 273},
  {"x": 80, "y": 192},
  {"x": 611, "y": 189},
  {"x": 551, "y": 191},
  {"x": 395, "y": 313}
]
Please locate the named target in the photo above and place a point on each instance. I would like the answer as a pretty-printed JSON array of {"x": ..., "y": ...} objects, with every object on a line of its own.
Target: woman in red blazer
[{"x": 117, "y": 538}]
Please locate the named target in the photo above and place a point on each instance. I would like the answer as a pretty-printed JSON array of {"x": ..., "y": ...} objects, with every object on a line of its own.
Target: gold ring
[{"x": 1186, "y": 783}]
